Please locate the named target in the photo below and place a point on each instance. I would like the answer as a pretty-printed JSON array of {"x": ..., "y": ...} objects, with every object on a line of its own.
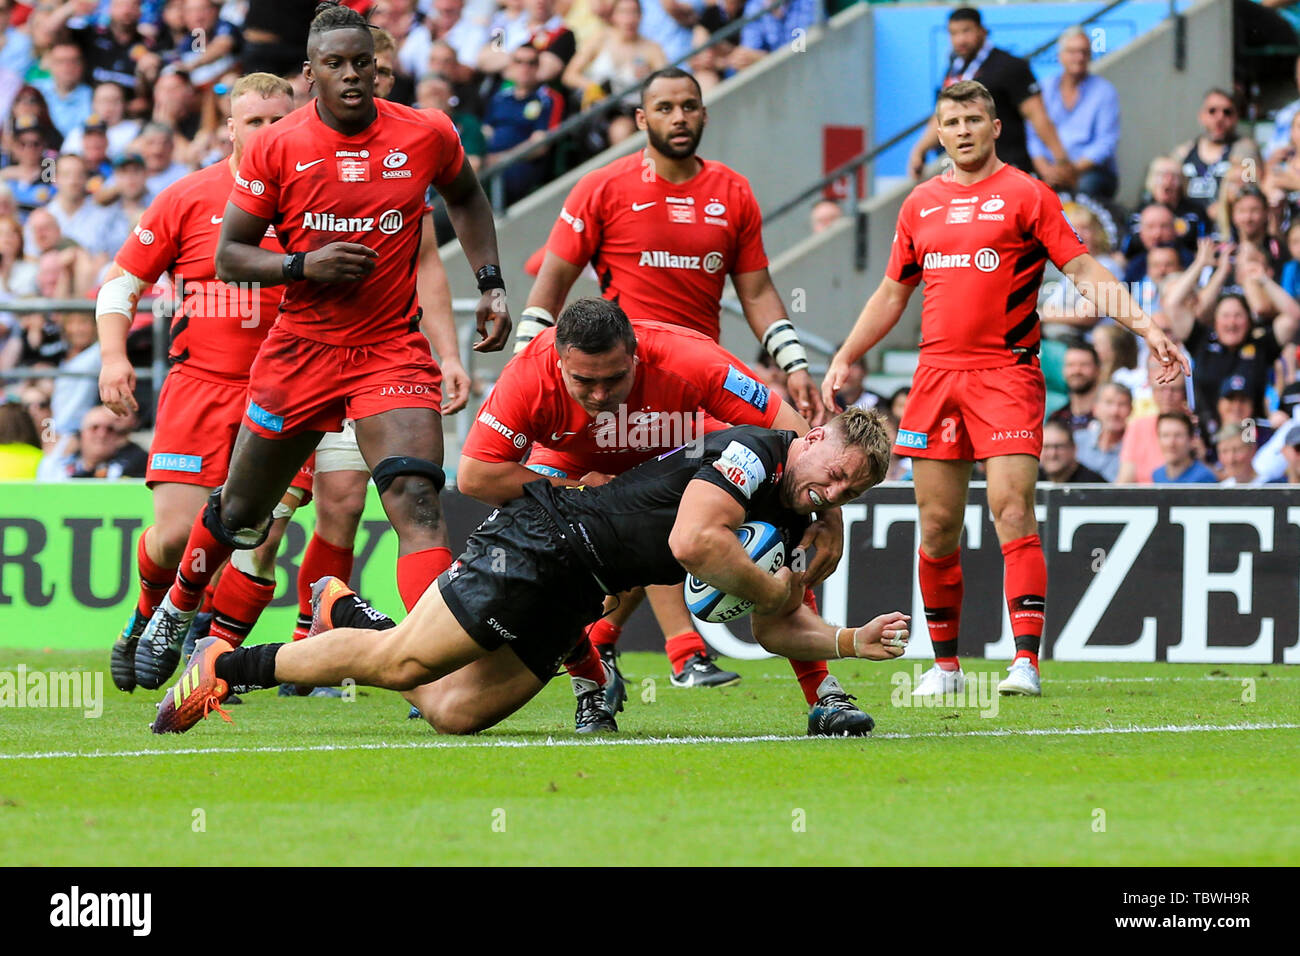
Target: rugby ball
[{"x": 762, "y": 542}]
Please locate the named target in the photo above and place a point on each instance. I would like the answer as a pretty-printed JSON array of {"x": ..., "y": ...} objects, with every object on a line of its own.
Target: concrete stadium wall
[
  {"x": 1159, "y": 108},
  {"x": 758, "y": 125}
]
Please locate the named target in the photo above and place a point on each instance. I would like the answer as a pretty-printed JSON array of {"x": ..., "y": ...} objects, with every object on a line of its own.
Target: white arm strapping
[
  {"x": 118, "y": 296},
  {"x": 534, "y": 321}
]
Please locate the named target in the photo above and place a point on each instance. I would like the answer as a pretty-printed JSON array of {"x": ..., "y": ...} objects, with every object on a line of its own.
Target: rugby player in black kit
[{"x": 535, "y": 572}]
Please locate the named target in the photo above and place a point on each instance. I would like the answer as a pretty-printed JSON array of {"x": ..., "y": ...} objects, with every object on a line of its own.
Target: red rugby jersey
[
  {"x": 216, "y": 328},
  {"x": 318, "y": 186},
  {"x": 662, "y": 250},
  {"x": 678, "y": 372},
  {"x": 981, "y": 250}
]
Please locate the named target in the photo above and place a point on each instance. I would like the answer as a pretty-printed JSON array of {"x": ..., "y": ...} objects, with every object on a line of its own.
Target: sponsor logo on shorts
[
  {"x": 912, "y": 439},
  {"x": 496, "y": 626},
  {"x": 260, "y": 416},
  {"x": 741, "y": 467},
  {"x": 750, "y": 390},
  {"x": 1014, "y": 433},
  {"x": 164, "y": 461},
  {"x": 518, "y": 438},
  {"x": 406, "y": 390}
]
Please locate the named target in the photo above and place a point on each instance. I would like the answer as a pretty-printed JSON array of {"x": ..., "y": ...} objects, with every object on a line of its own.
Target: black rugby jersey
[{"x": 620, "y": 530}]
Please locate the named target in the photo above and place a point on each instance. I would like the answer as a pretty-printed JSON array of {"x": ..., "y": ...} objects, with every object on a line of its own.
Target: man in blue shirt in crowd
[
  {"x": 1085, "y": 111},
  {"x": 1174, "y": 430}
]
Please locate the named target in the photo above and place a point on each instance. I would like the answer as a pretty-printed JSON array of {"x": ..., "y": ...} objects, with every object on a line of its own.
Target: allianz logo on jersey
[
  {"x": 985, "y": 260},
  {"x": 519, "y": 439},
  {"x": 663, "y": 259},
  {"x": 389, "y": 222}
]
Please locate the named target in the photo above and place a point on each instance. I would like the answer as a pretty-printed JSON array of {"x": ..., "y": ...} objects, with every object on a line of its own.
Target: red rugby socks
[
  {"x": 204, "y": 555},
  {"x": 682, "y": 648},
  {"x": 419, "y": 569},
  {"x": 603, "y": 633},
  {"x": 1026, "y": 588},
  {"x": 320, "y": 559},
  {"x": 941, "y": 593},
  {"x": 239, "y": 600},
  {"x": 585, "y": 662},
  {"x": 154, "y": 579}
]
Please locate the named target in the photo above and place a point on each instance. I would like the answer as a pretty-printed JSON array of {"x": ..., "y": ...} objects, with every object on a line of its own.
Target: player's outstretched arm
[
  {"x": 496, "y": 482},
  {"x": 766, "y": 315},
  {"x": 471, "y": 217},
  {"x": 1096, "y": 283},
  {"x": 704, "y": 542},
  {"x": 803, "y": 636},
  {"x": 878, "y": 316},
  {"x": 241, "y": 258}
]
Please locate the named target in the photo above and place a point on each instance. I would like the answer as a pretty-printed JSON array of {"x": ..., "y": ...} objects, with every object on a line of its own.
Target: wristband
[
  {"x": 533, "y": 321},
  {"x": 782, "y": 343},
  {"x": 839, "y": 652},
  {"x": 294, "y": 265},
  {"x": 489, "y": 277}
]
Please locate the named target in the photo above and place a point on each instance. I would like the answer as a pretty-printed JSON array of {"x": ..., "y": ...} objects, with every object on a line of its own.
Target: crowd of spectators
[{"x": 107, "y": 102}]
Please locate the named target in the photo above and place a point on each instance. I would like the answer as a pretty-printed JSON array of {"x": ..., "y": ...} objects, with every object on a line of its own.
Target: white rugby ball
[{"x": 762, "y": 542}]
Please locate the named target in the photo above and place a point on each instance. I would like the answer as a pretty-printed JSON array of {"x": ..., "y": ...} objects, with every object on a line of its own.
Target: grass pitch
[{"x": 1119, "y": 764}]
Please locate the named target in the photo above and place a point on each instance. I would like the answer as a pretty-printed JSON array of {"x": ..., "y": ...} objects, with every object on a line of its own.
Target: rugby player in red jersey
[
  {"x": 605, "y": 394},
  {"x": 979, "y": 235},
  {"x": 216, "y": 331},
  {"x": 534, "y": 573},
  {"x": 663, "y": 229},
  {"x": 341, "y": 473},
  {"x": 343, "y": 181}
]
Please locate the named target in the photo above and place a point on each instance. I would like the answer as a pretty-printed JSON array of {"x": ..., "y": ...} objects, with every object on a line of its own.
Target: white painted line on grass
[{"x": 652, "y": 741}]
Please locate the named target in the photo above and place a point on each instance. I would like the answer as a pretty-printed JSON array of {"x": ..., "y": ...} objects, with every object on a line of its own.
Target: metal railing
[
  {"x": 491, "y": 177},
  {"x": 154, "y": 374}
]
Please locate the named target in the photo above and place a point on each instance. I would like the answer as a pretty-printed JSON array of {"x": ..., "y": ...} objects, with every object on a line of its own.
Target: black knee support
[
  {"x": 244, "y": 539},
  {"x": 387, "y": 471}
]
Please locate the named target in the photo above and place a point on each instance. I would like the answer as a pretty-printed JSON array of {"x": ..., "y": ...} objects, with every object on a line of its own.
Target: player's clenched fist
[
  {"x": 882, "y": 637},
  {"x": 117, "y": 386},
  {"x": 340, "y": 262}
]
